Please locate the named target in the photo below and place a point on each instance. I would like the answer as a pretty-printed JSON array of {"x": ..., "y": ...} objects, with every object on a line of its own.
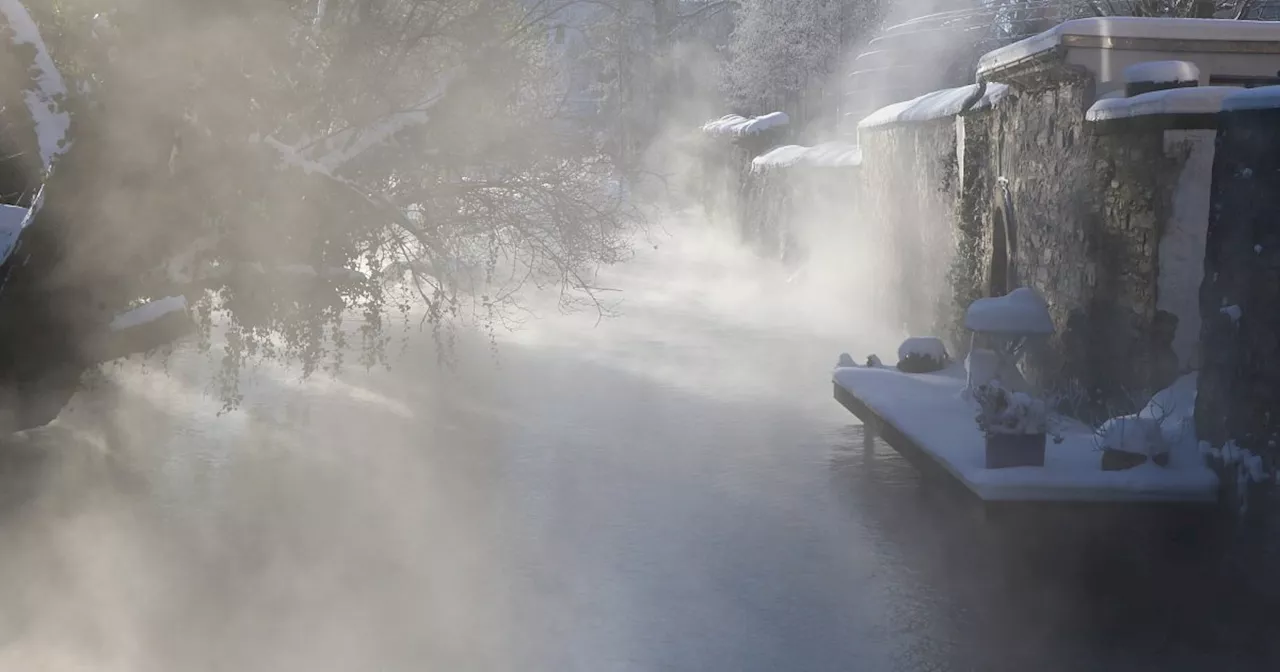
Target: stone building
[
  {"x": 1066, "y": 172},
  {"x": 1107, "y": 185}
]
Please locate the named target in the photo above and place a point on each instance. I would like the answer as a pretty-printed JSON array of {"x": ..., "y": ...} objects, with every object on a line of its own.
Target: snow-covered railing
[
  {"x": 1191, "y": 100},
  {"x": 825, "y": 155},
  {"x": 934, "y": 105},
  {"x": 1129, "y": 27},
  {"x": 48, "y": 90},
  {"x": 737, "y": 125}
]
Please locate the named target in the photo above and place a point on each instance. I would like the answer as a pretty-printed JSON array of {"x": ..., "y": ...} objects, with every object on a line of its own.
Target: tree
[
  {"x": 643, "y": 56},
  {"x": 290, "y": 165},
  {"x": 783, "y": 52}
]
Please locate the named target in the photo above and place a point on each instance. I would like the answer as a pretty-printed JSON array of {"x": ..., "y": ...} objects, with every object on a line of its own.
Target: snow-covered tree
[
  {"x": 291, "y": 165},
  {"x": 784, "y": 52},
  {"x": 646, "y": 57}
]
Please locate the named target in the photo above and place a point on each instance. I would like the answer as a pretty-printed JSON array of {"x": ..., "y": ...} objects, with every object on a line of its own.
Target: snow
[
  {"x": 930, "y": 410},
  {"x": 1131, "y": 27},
  {"x": 981, "y": 367},
  {"x": 1182, "y": 240},
  {"x": 1189, "y": 100},
  {"x": 148, "y": 312},
  {"x": 1161, "y": 72},
  {"x": 1021, "y": 311},
  {"x": 1174, "y": 409},
  {"x": 44, "y": 101},
  {"x": 736, "y": 125},
  {"x": 12, "y": 220},
  {"x": 825, "y": 155},
  {"x": 934, "y": 105},
  {"x": 1260, "y": 98},
  {"x": 923, "y": 346},
  {"x": 1131, "y": 434}
]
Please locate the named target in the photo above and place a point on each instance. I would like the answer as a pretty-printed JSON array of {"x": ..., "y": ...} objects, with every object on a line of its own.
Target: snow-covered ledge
[
  {"x": 825, "y": 155},
  {"x": 736, "y": 125},
  {"x": 1199, "y": 100},
  {"x": 933, "y": 425},
  {"x": 942, "y": 104}
]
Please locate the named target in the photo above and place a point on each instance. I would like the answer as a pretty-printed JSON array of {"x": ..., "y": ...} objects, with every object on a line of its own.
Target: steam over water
[{"x": 673, "y": 489}]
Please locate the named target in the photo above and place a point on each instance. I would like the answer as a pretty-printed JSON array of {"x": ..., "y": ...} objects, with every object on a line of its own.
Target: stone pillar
[{"x": 1239, "y": 385}]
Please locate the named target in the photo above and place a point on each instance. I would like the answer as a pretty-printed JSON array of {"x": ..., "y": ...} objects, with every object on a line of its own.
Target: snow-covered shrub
[
  {"x": 922, "y": 355},
  {"x": 1004, "y": 412}
]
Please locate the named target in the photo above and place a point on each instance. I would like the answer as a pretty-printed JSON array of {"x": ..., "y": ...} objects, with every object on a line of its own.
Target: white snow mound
[
  {"x": 825, "y": 155},
  {"x": 1191, "y": 100},
  {"x": 1160, "y": 72},
  {"x": 934, "y": 105},
  {"x": 923, "y": 346},
  {"x": 1021, "y": 311},
  {"x": 737, "y": 125}
]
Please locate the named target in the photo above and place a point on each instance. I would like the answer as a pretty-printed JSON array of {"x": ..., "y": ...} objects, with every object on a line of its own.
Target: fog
[
  {"x": 407, "y": 519},
  {"x": 602, "y": 437}
]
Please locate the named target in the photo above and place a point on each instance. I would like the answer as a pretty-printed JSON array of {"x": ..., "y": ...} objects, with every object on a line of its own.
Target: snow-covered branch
[
  {"x": 44, "y": 99},
  {"x": 348, "y": 144}
]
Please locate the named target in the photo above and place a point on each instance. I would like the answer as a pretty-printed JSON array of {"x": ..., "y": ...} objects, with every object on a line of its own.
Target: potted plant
[{"x": 1015, "y": 425}]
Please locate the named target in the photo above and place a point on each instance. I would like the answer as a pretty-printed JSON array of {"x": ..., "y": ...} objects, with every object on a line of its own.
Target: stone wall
[
  {"x": 725, "y": 177},
  {"x": 910, "y": 181},
  {"x": 1087, "y": 213}
]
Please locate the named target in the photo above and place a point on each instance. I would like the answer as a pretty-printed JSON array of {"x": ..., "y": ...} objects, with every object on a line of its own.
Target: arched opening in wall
[{"x": 998, "y": 278}]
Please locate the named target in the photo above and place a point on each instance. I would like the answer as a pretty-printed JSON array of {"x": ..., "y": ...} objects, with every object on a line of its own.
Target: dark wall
[{"x": 1239, "y": 387}]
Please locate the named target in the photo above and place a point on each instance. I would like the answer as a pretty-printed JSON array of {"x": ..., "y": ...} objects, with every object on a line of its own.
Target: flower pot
[
  {"x": 1015, "y": 450},
  {"x": 1119, "y": 460}
]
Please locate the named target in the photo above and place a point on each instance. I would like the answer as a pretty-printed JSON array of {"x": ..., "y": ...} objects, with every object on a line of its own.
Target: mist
[{"x": 476, "y": 379}]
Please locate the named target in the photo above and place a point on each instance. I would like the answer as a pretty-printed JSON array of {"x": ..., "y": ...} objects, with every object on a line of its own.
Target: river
[{"x": 671, "y": 488}]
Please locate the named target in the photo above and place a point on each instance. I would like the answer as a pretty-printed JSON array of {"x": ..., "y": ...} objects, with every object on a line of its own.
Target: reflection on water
[{"x": 672, "y": 490}]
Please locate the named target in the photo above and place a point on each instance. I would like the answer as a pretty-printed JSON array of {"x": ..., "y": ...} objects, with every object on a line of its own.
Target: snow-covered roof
[
  {"x": 1132, "y": 27},
  {"x": 933, "y": 105},
  {"x": 1021, "y": 311},
  {"x": 825, "y": 155},
  {"x": 1161, "y": 71},
  {"x": 1190, "y": 100},
  {"x": 12, "y": 220},
  {"x": 737, "y": 125},
  {"x": 1261, "y": 98}
]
